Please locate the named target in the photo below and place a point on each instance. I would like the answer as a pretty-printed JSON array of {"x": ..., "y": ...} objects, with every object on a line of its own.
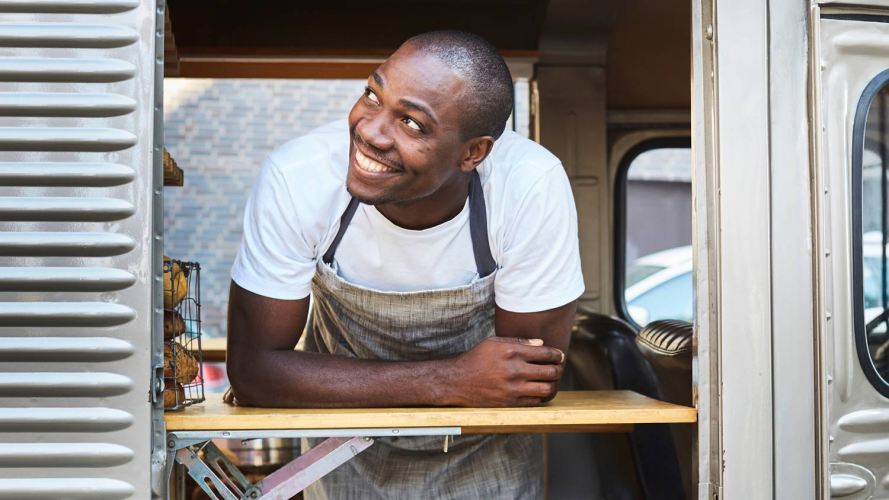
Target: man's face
[{"x": 406, "y": 139}]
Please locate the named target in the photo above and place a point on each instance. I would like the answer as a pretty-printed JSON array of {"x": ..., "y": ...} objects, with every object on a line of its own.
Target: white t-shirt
[{"x": 294, "y": 211}]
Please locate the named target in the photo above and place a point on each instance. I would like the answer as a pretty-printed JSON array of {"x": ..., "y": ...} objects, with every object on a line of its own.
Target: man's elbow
[{"x": 243, "y": 378}]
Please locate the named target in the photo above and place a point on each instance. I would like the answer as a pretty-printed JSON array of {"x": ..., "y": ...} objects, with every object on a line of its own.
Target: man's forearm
[{"x": 287, "y": 378}]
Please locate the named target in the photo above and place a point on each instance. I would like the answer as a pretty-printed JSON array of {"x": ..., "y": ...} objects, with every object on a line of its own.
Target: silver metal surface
[
  {"x": 202, "y": 474},
  {"x": 63, "y": 454},
  {"x": 64, "y": 208},
  {"x": 72, "y": 174},
  {"x": 850, "y": 54},
  {"x": 73, "y": 279},
  {"x": 308, "y": 468},
  {"x": 793, "y": 336},
  {"x": 874, "y": 420},
  {"x": 314, "y": 433},
  {"x": 77, "y": 115},
  {"x": 87, "y": 244},
  {"x": 69, "y": 6},
  {"x": 78, "y": 349},
  {"x": 65, "y": 139},
  {"x": 55, "y": 488},
  {"x": 64, "y": 314},
  {"x": 64, "y": 104},
  {"x": 843, "y": 485},
  {"x": 72, "y": 419},
  {"x": 24, "y": 69},
  {"x": 706, "y": 250},
  {"x": 63, "y": 384},
  {"x": 68, "y": 35},
  {"x": 743, "y": 228}
]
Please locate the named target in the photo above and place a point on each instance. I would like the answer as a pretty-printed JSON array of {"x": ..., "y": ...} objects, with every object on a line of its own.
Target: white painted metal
[
  {"x": 743, "y": 229},
  {"x": 76, "y": 252},
  {"x": 792, "y": 285},
  {"x": 849, "y": 55},
  {"x": 705, "y": 245}
]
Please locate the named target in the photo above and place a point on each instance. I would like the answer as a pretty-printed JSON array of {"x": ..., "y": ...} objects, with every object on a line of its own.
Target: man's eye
[
  {"x": 412, "y": 124},
  {"x": 371, "y": 96}
]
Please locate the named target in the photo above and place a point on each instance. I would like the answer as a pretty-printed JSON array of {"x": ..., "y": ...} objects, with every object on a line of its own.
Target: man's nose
[{"x": 374, "y": 131}]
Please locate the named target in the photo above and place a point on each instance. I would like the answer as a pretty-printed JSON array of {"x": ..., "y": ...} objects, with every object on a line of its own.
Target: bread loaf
[
  {"x": 174, "y": 395},
  {"x": 175, "y": 284},
  {"x": 186, "y": 365},
  {"x": 173, "y": 325}
]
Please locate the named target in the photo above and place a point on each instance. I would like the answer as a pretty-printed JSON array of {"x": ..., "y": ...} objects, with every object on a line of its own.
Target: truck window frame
[
  {"x": 874, "y": 86},
  {"x": 620, "y": 216}
]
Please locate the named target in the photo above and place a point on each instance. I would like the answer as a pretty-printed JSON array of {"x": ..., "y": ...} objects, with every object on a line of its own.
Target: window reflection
[
  {"x": 874, "y": 222},
  {"x": 657, "y": 250}
]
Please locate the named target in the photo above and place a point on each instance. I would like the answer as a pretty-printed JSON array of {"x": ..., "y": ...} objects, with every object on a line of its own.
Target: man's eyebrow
[
  {"x": 419, "y": 107},
  {"x": 377, "y": 78}
]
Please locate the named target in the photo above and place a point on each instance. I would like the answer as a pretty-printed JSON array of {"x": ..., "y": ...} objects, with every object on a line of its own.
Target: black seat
[{"x": 651, "y": 446}]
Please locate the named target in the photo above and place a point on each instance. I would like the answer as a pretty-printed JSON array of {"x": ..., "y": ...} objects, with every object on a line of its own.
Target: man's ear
[{"x": 477, "y": 149}]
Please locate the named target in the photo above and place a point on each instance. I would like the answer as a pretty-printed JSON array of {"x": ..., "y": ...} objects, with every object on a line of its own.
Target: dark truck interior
[{"x": 604, "y": 69}]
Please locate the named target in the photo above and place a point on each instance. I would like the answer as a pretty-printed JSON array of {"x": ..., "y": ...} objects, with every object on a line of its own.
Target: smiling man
[{"x": 441, "y": 254}]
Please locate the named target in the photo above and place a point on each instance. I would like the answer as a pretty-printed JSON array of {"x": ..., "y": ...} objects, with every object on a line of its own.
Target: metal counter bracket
[{"x": 222, "y": 480}]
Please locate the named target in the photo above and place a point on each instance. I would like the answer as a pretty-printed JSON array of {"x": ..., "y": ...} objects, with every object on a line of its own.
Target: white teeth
[{"x": 370, "y": 165}]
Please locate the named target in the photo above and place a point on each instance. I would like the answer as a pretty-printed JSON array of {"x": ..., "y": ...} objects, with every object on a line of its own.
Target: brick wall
[{"x": 219, "y": 131}]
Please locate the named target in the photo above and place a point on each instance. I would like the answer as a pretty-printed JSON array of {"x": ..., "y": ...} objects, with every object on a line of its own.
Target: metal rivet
[
  {"x": 709, "y": 32},
  {"x": 828, "y": 316},
  {"x": 394, "y": 431},
  {"x": 827, "y": 253}
]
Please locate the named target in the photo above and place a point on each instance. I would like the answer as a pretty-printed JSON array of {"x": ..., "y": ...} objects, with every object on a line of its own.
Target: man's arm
[{"x": 264, "y": 370}]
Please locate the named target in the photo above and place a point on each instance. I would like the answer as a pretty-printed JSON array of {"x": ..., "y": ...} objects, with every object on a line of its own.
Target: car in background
[{"x": 659, "y": 285}]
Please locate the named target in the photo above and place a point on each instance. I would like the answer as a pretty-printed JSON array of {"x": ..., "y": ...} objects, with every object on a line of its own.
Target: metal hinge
[{"x": 157, "y": 384}]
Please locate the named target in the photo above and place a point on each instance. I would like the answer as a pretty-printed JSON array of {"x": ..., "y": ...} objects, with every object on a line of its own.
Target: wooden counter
[{"x": 570, "y": 411}]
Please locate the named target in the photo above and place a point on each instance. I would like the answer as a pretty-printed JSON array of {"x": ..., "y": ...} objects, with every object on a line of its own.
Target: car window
[
  {"x": 671, "y": 299},
  {"x": 654, "y": 232}
]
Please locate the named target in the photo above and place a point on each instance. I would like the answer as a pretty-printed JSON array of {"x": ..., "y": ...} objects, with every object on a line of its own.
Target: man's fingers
[
  {"x": 537, "y": 390},
  {"x": 549, "y": 372},
  {"x": 517, "y": 340},
  {"x": 541, "y": 354}
]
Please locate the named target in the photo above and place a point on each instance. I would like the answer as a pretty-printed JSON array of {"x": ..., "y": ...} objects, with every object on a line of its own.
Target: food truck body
[{"x": 783, "y": 104}]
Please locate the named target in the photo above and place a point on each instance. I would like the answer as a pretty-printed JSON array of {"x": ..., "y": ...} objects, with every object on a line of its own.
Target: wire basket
[{"x": 183, "y": 357}]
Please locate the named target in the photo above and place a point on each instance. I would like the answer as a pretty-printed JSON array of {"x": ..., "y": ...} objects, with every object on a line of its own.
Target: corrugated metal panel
[
  {"x": 64, "y": 174},
  {"x": 64, "y": 104},
  {"x": 71, "y": 279},
  {"x": 78, "y": 349},
  {"x": 77, "y": 144},
  {"x": 67, "y": 488},
  {"x": 70, "y": 35},
  {"x": 46, "y": 69},
  {"x": 68, "y": 6}
]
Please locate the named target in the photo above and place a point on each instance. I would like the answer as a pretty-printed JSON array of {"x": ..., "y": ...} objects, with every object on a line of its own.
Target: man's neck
[{"x": 429, "y": 211}]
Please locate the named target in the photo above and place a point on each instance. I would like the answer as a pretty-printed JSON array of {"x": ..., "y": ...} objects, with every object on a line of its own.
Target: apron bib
[{"x": 359, "y": 322}]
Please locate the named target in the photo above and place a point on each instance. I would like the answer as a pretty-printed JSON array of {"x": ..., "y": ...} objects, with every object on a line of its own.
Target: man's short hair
[{"x": 488, "y": 97}]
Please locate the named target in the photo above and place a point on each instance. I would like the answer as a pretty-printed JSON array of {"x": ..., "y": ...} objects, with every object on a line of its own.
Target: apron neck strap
[{"x": 478, "y": 228}]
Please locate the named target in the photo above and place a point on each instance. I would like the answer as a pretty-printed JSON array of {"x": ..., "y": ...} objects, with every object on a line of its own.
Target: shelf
[{"x": 570, "y": 411}]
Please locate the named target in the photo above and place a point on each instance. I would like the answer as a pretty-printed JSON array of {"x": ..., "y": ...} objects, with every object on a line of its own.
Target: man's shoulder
[
  {"x": 513, "y": 150},
  {"x": 517, "y": 165},
  {"x": 324, "y": 150}
]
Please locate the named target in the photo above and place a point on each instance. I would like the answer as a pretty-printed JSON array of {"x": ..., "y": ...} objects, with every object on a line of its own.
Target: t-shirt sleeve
[
  {"x": 540, "y": 257},
  {"x": 276, "y": 258}
]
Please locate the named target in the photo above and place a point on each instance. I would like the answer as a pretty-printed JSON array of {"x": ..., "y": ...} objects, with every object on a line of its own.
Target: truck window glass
[
  {"x": 654, "y": 267},
  {"x": 870, "y": 167}
]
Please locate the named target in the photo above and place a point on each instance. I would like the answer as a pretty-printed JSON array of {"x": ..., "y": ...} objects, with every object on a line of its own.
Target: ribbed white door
[{"x": 77, "y": 108}]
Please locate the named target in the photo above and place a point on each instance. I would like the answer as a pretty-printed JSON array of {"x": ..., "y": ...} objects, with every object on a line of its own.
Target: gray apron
[{"x": 354, "y": 321}]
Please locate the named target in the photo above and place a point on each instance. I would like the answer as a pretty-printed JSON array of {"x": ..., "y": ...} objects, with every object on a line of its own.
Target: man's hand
[{"x": 507, "y": 371}]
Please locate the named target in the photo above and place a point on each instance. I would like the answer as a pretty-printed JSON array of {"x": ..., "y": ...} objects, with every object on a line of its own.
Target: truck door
[
  {"x": 77, "y": 195},
  {"x": 852, "y": 137}
]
